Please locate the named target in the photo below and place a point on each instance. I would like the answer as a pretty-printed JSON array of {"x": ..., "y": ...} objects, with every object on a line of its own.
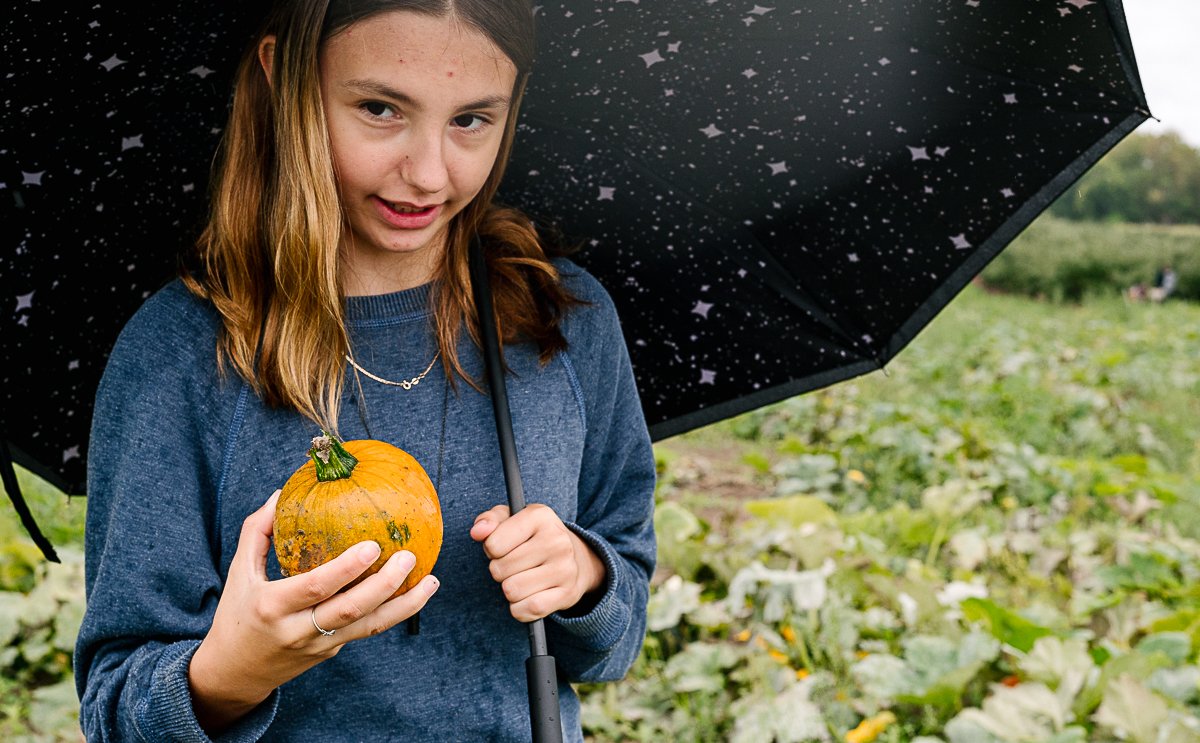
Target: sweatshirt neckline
[{"x": 407, "y": 304}]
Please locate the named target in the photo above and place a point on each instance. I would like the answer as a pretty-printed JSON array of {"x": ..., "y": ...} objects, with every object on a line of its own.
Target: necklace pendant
[{"x": 406, "y": 384}]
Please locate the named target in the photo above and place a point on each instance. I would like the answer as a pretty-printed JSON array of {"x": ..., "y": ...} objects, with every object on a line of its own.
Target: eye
[
  {"x": 377, "y": 110},
  {"x": 470, "y": 122}
]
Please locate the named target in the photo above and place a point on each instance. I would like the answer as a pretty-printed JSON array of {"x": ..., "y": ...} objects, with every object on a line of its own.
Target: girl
[{"x": 364, "y": 147}]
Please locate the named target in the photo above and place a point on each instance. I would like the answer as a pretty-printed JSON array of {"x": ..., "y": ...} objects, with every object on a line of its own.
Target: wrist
[
  {"x": 219, "y": 701},
  {"x": 592, "y": 571}
]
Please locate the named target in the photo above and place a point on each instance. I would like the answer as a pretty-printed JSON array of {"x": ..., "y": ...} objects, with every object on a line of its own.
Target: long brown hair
[{"x": 268, "y": 257}]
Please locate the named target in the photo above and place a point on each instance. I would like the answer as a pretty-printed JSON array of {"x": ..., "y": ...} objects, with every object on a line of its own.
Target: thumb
[
  {"x": 263, "y": 520},
  {"x": 486, "y": 522},
  {"x": 483, "y": 528},
  {"x": 256, "y": 536}
]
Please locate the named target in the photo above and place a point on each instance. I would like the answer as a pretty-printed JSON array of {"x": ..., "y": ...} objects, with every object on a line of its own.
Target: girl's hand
[
  {"x": 541, "y": 565},
  {"x": 262, "y": 633}
]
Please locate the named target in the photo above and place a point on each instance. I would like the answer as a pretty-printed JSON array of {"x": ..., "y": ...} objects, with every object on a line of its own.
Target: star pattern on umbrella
[{"x": 852, "y": 134}]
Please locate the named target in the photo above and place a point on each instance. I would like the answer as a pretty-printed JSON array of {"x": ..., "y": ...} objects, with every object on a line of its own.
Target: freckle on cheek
[{"x": 449, "y": 74}]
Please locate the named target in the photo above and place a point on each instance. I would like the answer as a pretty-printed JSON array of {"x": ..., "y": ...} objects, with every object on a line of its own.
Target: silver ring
[{"x": 326, "y": 632}]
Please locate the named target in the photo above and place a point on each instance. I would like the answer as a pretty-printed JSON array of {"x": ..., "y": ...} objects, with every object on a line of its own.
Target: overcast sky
[{"x": 1166, "y": 41}]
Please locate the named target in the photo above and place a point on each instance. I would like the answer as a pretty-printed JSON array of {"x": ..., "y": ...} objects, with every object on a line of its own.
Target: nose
[{"x": 424, "y": 164}]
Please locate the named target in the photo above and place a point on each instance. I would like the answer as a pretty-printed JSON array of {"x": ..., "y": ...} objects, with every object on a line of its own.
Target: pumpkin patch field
[{"x": 998, "y": 540}]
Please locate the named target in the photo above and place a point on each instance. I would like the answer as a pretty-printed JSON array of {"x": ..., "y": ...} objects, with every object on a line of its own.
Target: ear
[{"x": 266, "y": 55}]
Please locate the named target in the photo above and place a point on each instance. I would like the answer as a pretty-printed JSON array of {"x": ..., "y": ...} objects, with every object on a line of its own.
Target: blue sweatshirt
[{"x": 180, "y": 456}]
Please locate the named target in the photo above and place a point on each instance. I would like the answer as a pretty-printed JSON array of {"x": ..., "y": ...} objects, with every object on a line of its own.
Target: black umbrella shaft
[{"x": 544, "y": 710}]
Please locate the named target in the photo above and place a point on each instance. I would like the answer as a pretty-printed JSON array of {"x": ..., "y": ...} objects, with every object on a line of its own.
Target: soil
[{"x": 712, "y": 476}]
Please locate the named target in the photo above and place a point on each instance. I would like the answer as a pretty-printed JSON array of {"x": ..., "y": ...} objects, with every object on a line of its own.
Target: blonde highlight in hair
[{"x": 268, "y": 257}]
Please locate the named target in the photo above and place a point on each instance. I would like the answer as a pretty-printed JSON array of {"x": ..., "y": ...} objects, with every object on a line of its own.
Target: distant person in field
[{"x": 1164, "y": 284}]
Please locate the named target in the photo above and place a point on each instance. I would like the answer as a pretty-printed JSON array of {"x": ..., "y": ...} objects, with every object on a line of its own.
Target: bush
[{"x": 1071, "y": 261}]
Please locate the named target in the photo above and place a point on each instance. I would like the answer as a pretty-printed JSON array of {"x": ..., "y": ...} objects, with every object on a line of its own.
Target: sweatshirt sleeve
[
  {"x": 152, "y": 567},
  {"x": 616, "y": 497}
]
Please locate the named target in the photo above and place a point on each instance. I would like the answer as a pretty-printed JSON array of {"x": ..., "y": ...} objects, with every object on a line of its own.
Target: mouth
[
  {"x": 401, "y": 207},
  {"x": 405, "y": 215}
]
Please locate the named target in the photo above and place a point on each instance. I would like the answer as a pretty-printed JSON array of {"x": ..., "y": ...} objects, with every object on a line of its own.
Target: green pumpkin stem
[{"x": 331, "y": 458}]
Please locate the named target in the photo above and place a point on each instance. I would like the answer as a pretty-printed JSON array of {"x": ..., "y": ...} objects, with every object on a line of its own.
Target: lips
[
  {"x": 403, "y": 208},
  {"x": 407, "y": 216}
]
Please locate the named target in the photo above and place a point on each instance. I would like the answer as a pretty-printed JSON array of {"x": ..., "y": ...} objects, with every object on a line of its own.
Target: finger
[
  {"x": 518, "y": 530},
  {"x": 390, "y": 613},
  {"x": 523, "y": 557},
  {"x": 255, "y": 540},
  {"x": 486, "y": 522},
  {"x": 302, "y": 591},
  {"x": 541, "y": 605},
  {"x": 522, "y": 586},
  {"x": 346, "y": 608}
]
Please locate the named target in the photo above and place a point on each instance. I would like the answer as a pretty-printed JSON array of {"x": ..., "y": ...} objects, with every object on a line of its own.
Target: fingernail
[
  {"x": 482, "y": 521},
  {"x": 368, "y": 552},
  {"x": 432, "y": 584},
  {"x": 406, "y": 559}
]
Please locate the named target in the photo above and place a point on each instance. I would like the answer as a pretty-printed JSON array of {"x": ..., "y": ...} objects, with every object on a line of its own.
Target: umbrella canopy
[{"x": 777, "y": 197}]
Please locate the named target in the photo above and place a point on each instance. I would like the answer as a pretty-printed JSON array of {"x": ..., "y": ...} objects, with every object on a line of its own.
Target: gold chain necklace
[{"x": 407, "y": 384}]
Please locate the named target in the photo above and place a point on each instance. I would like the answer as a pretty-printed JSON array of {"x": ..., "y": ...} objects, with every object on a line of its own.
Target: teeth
[{"x": 404, "y": 209}]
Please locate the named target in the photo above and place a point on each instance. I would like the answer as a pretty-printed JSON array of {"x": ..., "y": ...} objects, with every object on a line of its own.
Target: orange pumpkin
[{"x": 355, "y": 491}]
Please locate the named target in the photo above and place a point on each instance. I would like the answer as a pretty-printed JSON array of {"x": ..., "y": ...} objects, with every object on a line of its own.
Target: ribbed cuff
[
  {"x": 166, "y": 714},
  {"x": 606, "y": 623}
]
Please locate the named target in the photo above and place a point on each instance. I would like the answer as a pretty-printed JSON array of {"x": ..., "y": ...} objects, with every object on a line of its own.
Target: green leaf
[
  {"x": 11, "y": 605},
  {"x": 885, "y": 677},
  {"x": 807, "y": 473},
  {"x": 777, "y": 591},
  {"x": 1138, "y": 666},
  {"x": 1132, "y": 463},
  {"x": 759, "y": 462},
  {"x": 1181, "y": 684},
  {"x": 790, "y": 717},
  {"x": 944, "y": 668},
  {"x": 1028, "y": 712},
  {"x": 670, "y": 601},
  {"x": 54, "y": 711},
  {"x": 794, "y": 511},
  {"x": 1184, "y": 620},
  {"x": 1149, "y": 572},
  {"x": 700, "y": 668},
  {"x": 1006, "y": 626},
  {"x": 674, "y": 523},
  {"x": 1131, "y": 710},
  {"x": 1063, "y": 665},
  {"x": 677, "y": 530},
  {"x": 1175, "y": 645}
]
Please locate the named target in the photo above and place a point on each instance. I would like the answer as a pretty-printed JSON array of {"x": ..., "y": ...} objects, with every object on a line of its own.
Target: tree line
[{"x": 1145, "y": 178}]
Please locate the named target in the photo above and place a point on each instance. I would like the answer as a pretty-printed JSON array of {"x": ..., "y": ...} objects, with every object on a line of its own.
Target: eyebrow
[{"x": 375, "y": 87}]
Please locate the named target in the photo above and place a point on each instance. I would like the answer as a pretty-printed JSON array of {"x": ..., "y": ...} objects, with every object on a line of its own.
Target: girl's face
[{"x": 416, "y": 107}]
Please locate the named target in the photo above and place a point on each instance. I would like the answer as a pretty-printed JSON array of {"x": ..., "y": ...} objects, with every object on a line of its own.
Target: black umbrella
[{"x": 778, "y": 198}]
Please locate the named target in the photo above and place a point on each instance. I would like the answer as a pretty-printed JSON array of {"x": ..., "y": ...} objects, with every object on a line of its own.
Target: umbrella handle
[{"x": 544, "y": 710}]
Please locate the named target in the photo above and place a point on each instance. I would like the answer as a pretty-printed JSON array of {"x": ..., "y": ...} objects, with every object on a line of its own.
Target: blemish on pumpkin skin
[{"x": 399, "y": 534}]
